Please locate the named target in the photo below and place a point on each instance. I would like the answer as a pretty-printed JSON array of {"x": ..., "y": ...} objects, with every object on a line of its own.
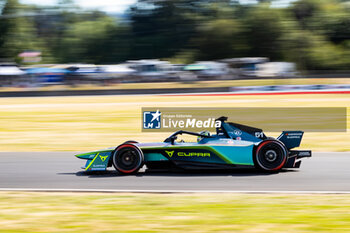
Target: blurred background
[
  {"x": 75, "y": 48},
  {"x": 107, "y": 42}
]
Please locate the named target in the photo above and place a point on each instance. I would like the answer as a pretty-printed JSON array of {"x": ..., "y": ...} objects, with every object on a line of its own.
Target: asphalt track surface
[{"x": 324, "y": 172}]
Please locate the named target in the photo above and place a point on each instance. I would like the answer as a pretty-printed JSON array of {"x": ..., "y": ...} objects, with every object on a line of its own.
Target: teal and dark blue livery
[{"x": 233, "y": 146}]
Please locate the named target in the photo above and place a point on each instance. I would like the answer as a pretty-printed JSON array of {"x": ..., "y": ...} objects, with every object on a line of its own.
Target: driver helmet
[{"x": 206, "y": 133}]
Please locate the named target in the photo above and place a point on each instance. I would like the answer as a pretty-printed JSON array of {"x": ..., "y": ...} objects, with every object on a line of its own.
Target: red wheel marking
[
  {"x": 263, "y": 143},
  {"x": 125, "y": 145}
]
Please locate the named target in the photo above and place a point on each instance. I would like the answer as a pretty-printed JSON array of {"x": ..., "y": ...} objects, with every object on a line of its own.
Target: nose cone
[{"x": 89, "y": 155}]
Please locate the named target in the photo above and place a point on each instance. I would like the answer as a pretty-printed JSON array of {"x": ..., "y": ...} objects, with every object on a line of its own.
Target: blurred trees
[
  {"x": 313, "y": 33},
  {"x": 161, "y": 28},
  {"x": 95, "y": 41},
  {"x": 321, "y": 34},
  {"x": 221, "y": 38},
  {"x": 16, "y": 33},
  {"x": 263, "y": 32}
]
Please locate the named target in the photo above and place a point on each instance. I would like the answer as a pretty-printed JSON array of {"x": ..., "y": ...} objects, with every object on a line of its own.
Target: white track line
[{"x": 170, "y": 191}]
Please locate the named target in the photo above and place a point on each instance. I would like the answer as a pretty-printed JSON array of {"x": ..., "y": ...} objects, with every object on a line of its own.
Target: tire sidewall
[
  {"x": 140, "y": 155},
  {"x": 257, "y": 161}
]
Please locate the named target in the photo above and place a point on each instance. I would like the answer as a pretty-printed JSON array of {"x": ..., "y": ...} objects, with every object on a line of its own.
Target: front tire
[
  {"x": 127, "y": 159},
  {"x": 271, "y": 155},
  {"x": 130, "y": 142}
]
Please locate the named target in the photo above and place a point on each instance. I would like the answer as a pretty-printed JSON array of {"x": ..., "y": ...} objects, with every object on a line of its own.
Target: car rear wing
[{"x": 291, "y": 139}]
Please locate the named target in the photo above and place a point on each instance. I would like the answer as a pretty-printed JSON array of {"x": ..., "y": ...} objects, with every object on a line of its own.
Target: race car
[{"x": 233, "y": 146}]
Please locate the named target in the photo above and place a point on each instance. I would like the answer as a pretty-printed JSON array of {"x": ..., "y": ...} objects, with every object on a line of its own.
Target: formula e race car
[{"x": 233, "y": 146}]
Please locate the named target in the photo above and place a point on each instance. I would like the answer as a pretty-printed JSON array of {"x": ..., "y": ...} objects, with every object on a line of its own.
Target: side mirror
[{"x": 171, "y": 139}]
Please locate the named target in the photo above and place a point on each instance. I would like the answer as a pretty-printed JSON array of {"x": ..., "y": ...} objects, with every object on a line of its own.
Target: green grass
[
  {"x": 63, "y": 212},
  {"x": 93, "y": 122}
]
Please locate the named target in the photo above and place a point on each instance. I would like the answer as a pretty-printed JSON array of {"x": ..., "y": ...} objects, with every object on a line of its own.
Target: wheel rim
[
  {"x": 128, "y": 158},
  {"x": 270, "y": 155}
]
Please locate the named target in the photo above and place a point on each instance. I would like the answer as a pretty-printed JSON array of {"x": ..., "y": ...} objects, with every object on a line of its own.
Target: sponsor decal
[
  {"x": 193, "y": 154},
  {"x": 103, "y": 158},
  {"x": 237, "y": 132},
  {"x": 304, "y": 153},
  {"x": 98, "y": 165},
  {"x": 187, "y": 154},
  {"x": 294, "y": 135},
  {"x": 169, "y": 153}
]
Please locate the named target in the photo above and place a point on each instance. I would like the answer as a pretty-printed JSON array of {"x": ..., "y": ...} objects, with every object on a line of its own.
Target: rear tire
[
  {"x": 127, "y": 159},
  {"x": 270, "y": 155}
]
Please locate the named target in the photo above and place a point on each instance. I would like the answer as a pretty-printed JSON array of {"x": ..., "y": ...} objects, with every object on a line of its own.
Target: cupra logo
[
  {"x": 103, "y": 158},
  {"x": 170, "y": 153}
]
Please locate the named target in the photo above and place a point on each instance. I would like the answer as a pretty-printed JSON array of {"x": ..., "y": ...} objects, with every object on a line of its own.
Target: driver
[{"x": 205, "y": 133}]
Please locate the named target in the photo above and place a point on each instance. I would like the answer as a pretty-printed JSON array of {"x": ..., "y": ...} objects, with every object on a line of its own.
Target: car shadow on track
[{"x": 148, "y": 173}]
